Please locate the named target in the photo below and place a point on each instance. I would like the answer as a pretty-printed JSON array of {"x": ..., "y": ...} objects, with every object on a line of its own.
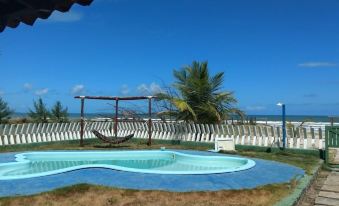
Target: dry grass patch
[
  {"x": 88, "y": 195},
  {"x": 304, "y": 161},
  {"x": 95, "y": 144}
]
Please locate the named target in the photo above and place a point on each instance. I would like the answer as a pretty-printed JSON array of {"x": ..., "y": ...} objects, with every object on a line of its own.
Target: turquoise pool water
[{"x": 35, "y": 164}]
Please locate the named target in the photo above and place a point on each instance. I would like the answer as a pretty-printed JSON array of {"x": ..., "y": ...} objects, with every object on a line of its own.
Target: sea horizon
[{"x": 259, "y": 117}]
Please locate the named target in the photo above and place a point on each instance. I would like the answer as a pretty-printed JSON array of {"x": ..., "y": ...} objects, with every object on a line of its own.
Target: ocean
[
  {"x": 294, "y": 118},
  {"x": 291, "y": 118}
]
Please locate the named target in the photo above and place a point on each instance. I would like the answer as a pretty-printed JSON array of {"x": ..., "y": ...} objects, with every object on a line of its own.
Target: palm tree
[
  {"x": 197, "y": 96},
  {"x": 58, "y": 113},
  {"x": 40, "y": 113},
  {"x": 5, "y": 111}
]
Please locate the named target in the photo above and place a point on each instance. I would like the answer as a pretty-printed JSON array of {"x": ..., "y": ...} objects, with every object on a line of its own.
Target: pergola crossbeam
[{"x": 115, "y": 97}]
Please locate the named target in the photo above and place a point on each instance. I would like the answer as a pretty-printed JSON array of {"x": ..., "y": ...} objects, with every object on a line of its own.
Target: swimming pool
[{"x": 36, "y": 164}]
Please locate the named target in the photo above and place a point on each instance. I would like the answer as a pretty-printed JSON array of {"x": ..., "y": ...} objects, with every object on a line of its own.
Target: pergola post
[
  {"x": 116, "y": 117},
  {"x": 82, "y": 122},
  {"x": 149, "y": 121}
]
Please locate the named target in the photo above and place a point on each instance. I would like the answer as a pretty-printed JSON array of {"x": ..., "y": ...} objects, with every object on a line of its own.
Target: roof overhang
[{"x": 13, "y": 12}]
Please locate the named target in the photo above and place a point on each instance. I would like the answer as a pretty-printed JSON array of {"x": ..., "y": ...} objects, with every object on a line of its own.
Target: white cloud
[
  {"x": 125, "y": 89},
  {"x": 317, "y": 64},
  {"x": 142, "y": 88},
  {"x": 2, "y": 92},
  {"x": 155, "y": 88},
  {"x": 41, "y": 92},
  {"x": 145, "y": 89},
  {"x": 78, "y": 89},
  {"x": 28, "y": 86},
  {"x": 255, "y": 108},
  {"x": 70, "y": 16}
]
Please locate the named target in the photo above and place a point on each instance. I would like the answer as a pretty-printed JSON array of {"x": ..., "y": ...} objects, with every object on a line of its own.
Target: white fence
[{"x": 259, "y": 135}]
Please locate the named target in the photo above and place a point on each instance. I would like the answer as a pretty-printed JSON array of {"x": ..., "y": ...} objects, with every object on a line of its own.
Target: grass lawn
[{"x": 97, "y": 195}]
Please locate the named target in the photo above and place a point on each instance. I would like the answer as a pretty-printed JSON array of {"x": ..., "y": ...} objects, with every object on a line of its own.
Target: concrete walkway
[
  {"x": 329, "y": 192},
  {"x": 312, "y": 193}
]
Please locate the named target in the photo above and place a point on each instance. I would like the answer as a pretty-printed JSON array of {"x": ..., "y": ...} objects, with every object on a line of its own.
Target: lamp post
[{"x": 283, "y": 123}]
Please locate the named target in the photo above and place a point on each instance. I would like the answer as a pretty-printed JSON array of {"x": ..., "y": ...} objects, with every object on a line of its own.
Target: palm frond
[{"x": 199, "y": 97}]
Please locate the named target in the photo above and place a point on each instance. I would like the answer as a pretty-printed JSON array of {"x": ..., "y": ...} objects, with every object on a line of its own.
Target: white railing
[{"x": 259, "y": 135}]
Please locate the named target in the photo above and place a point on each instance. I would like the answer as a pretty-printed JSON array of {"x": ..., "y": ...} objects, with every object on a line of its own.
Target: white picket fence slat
[{"x": 257, "y": 135}]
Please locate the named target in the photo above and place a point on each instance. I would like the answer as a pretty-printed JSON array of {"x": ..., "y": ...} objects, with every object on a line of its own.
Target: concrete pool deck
[{"x": 265, "y": 172}]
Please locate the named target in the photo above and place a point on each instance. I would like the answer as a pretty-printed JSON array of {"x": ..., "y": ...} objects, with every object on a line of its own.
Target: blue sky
[{"x": 270, "y": 51}]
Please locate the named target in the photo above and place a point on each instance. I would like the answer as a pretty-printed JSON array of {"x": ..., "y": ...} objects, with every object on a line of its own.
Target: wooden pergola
[
  {"x": 116, "y": 99},
  {"x": 13, "y": 12}
]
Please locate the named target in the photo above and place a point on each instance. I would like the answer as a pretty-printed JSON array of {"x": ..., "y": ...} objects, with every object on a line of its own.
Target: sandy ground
[{"x": 87, "y": 195}]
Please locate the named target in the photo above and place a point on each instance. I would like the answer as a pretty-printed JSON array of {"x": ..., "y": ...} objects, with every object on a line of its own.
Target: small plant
[
  {"x": 298, "y": 127},
  {"x": 294, "y": 182},
  {"x": 252, "y": 121},
  {"x": 112, "y": 201},
  {"x": 40, "y": 112},
  {"x": 58, "y": 113},
  {"x": 20, "y": 120},
  {"x": 5, "y": 111}
]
